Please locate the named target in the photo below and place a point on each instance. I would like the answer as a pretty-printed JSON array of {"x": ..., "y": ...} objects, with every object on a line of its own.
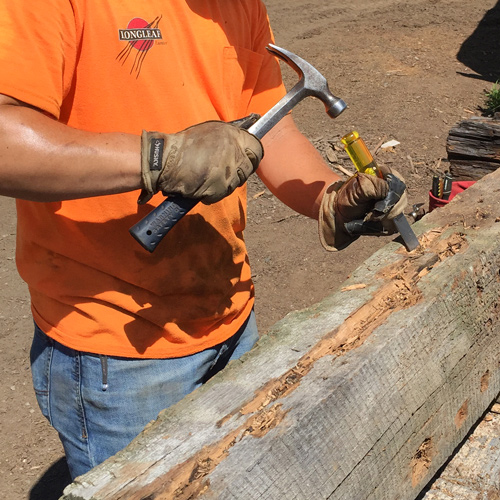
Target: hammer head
[{"x": 311, "y": 81}]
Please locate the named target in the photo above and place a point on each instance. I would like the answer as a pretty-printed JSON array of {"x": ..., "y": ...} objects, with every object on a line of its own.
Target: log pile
[
  {"x": 362, "y": 397},
  {"x": 473, "y": 148}
]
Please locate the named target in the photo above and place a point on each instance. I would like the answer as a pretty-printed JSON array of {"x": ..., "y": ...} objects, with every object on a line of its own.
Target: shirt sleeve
[{"x": 37, "y": 51}]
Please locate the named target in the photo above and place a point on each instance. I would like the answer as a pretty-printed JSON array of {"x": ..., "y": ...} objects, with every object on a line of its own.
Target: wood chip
[
  {"x": 438, "y": 164},
  {"x": 359, "y": 286},
  {"x": 379, "y": 145},
  {"x": 292, "y": 216},
  {"x": 412, "y": 166},
  {"x": 390, "y": 144},
  {"x": 258, "y": 195},
  {"x": 331, "y": 155},
  {"x": 343, "y": 170},
  {"x": 496, "y": 408}
]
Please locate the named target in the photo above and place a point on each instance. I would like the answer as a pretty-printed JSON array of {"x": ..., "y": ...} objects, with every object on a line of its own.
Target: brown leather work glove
[
  {"x": 356, "y": 199},
  {"x": 205, "y": 162}
]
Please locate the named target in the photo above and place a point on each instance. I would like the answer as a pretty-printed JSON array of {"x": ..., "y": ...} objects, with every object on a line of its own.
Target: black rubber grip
[
  {"x": 150, "y": 230},
  {"x": 362, "y": 227}
]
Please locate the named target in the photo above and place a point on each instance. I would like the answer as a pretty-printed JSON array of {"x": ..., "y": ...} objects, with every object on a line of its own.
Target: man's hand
[
  {"x": 362, "y": 197},
  {"x": 205, "y": 162}
]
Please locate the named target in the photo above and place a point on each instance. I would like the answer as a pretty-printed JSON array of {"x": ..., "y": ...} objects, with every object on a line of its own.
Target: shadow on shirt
[{"x": 192, "y": 277}]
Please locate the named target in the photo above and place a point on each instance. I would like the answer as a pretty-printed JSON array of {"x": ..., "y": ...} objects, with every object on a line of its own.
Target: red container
[{"x": 456, "y": 188}]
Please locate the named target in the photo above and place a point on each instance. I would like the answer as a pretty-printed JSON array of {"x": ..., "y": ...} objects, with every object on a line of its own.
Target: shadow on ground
[
  {"x": 481, "y": 51},
  {"x": 51, "y": 485}
]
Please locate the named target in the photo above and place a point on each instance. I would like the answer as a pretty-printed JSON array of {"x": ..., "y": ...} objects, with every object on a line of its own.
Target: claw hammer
[{"x": 150, "y": 230}]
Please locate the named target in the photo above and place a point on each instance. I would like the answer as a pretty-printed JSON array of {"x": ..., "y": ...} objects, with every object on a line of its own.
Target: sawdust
[
  {"x": 421, "y": 462},
  {"x": 462, "y": 414},
  {"x": 400, "y": 291},
  {"x": 187, "y": 480},
  {"x": 485, "y": 381}
]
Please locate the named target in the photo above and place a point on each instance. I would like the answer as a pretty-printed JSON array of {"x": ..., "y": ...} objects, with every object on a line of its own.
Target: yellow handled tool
[
  {"x": 360, "y": 155},
  {"x": 365, "y": 163}
]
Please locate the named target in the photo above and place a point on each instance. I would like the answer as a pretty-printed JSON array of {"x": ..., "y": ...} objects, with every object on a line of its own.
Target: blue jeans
[{"x": 98, "y": 404}]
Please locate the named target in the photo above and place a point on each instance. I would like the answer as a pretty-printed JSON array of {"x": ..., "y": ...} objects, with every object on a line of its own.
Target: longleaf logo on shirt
[{"x": 140, "y": 36}]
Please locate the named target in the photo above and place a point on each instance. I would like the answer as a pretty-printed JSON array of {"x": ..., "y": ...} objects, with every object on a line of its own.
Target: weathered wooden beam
[
  {"x": 473, "y": 148},
  {"x": 471, "y": 170},
  {"x": 363, "y": 396}
]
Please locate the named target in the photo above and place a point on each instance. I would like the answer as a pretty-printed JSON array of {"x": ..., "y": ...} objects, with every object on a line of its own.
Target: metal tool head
[
  {"x": 417, "y": 211},
  {"x": 313, "y": 82}
]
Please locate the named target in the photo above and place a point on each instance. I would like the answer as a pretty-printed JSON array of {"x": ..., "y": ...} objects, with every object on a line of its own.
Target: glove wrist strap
[
  {"x": 152, "y": 160},
  {"x": 331, "y": 237}
]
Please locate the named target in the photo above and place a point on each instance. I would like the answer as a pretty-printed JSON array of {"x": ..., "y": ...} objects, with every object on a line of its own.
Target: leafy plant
[{"x": 492, "y": 98}]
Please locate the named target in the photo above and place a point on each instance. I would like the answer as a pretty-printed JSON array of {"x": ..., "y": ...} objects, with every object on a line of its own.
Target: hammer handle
[{"x": 151, "y": 229}]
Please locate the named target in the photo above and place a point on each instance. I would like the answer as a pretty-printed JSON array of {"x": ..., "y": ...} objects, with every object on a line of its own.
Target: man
[{"x": 120, "y": 333}]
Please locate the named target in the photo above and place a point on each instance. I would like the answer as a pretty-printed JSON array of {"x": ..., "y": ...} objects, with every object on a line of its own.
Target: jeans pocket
[{"x": 40, "y": 359}]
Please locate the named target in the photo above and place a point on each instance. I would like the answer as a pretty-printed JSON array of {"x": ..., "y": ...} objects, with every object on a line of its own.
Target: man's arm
[
  {"x": 293, "y": 169},
  {"x": 43, "y": 160}
]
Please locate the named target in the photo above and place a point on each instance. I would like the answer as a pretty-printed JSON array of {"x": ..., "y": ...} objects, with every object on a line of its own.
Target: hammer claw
[{"x": 311, "y": 83}]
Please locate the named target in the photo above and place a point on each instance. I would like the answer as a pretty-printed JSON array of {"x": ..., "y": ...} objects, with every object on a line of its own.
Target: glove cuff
[
  {"x": 152, "y": 161},
  {"x": 326, "y": 220},
  {"x": 331, "y": 237}
]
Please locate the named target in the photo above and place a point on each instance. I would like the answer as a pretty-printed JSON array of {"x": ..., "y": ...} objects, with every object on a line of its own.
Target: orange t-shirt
[{"x": 125, "y": 66}]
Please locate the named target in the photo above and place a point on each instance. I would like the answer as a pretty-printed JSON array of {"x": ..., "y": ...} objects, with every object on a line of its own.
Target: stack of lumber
[{"x": 473, "y": 148}]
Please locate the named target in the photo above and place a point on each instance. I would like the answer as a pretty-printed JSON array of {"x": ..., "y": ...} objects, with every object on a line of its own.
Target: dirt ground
[{"x": 408, "y": 71}]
